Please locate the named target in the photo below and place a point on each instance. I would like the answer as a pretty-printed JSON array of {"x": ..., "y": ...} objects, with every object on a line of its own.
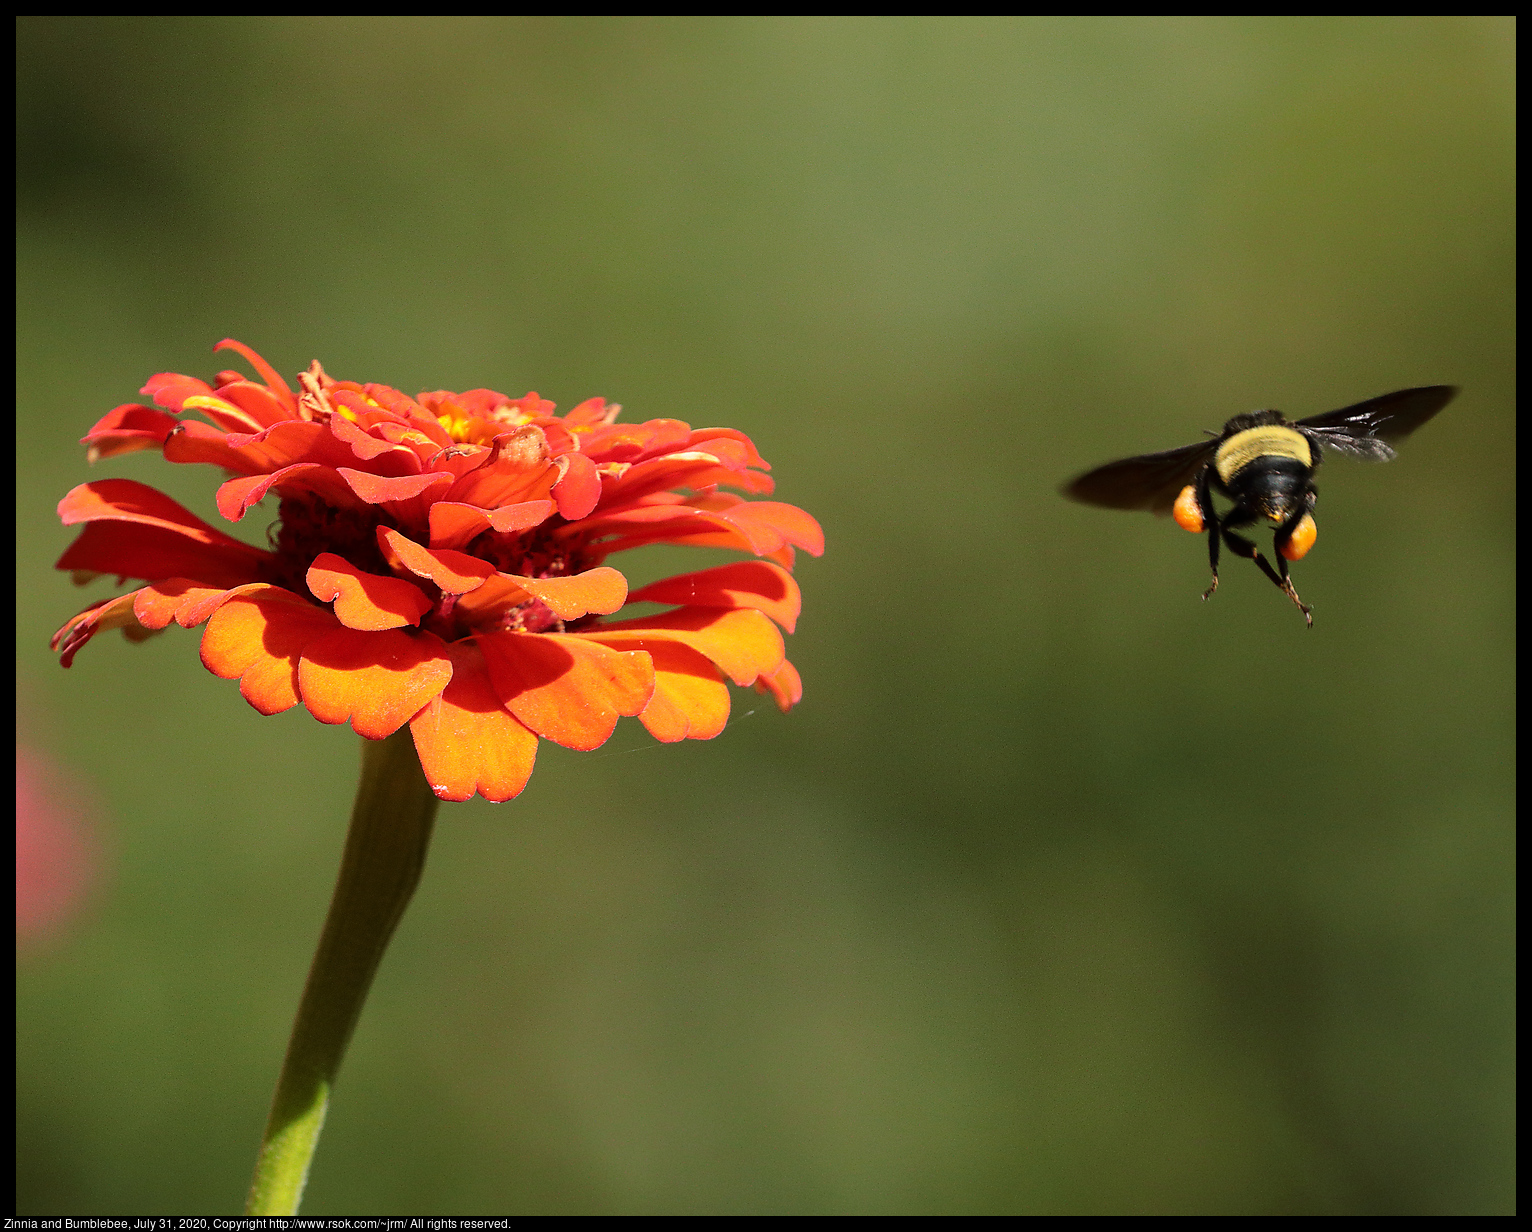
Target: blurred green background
[{"x": 1062, "y": 892}]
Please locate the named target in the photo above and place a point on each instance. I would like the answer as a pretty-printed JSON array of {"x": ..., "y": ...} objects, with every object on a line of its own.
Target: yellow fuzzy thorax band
[{"x": 1270, "y": 441}]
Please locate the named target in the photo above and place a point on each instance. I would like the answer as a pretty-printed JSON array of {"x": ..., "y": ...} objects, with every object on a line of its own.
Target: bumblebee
[{"x": 1265, "y": 465}]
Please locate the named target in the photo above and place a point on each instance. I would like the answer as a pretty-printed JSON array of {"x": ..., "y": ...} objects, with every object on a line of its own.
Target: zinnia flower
[{"x": 439, "y": 561}]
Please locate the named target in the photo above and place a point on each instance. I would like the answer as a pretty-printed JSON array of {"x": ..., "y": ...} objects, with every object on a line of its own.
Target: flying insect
[{"x": 1265, "y": 465}]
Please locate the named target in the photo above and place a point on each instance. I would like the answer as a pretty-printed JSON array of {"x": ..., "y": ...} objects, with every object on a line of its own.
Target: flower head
[{"x": 440, "y": 561}]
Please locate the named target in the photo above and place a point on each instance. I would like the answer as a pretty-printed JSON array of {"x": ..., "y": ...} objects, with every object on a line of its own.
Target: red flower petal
[
  {"x": 269, "y": 374},
  {"x": 365, "y": 600},
  {"x": 467, "y": 740},
  {"x": 126, "y": 429},
  {"x": 788, "y": 521},
  {"x": 262, "y": 407},
  {"x": 225, "y": 414},
  {"x": 591, "y": 412},
  {"x": 378, "y": 681},
  {"x": 382, "y": 490},
  {"x": 565, "y": 687},
  {"x": 238, "y": 496},
  {"x": 635, "y": 442},
  {"x": 170, "y": 389},
  {"x": 134, "y": 531}
]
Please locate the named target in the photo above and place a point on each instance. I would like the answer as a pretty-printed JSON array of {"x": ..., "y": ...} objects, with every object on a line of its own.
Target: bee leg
[
  {"x": 1205, "y": 501},
  {"x": 1285, "y": 582},
  {"x": 1212, "y": 559},
  {"x": 1243, "y": 547}
]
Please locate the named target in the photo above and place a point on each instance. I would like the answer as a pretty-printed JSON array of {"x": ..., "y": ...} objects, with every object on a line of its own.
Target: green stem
[{"x": 385, "y": 852}]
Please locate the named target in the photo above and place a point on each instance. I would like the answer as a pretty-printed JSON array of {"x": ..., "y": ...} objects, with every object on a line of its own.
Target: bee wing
[
  {"x": 1151, "y": 481},
  {"x": 1366, "y": 429}
]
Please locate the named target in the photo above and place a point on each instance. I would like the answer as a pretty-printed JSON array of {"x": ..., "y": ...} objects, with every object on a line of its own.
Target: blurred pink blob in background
[{"x": 55, "y": 862}]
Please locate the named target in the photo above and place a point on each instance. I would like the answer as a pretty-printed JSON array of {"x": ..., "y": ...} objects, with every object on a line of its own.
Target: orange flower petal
[
  {"x": 147, "y": 552},
  {"x": 382, "y": 489},
  {"x": 509, "y": 519},
  {"x": 788, "y": 521},
  {"x": 578, "y": 488},
  {"x": 455, "y": 572},
  {"x": 178, "y": 599},
  {"x": 746, "y": 583},
  {"x": 690, "y": 698},
  {"x": 350, "y": 458},
  {"x": 784, "y": 684},
  {"x": 259, "y": 637},
  {"x": 365, "y": 600},
  {"x": 591, "y": 412},
  {"x": 719, "y": 519},
  {"x": 367, "y": 447},
  {"x": 487, "y": 603},
  {"x": 521, "y": 469},
  {"x": 114, "y": 613},
  {"x": 601, "y": 590},
  {"x": 377, "y": 681},
  {"x": 457, "y": 459},
  {"x": 635, "y": 442},
  {"x": 466, "y": 739},
  {"x": 565, "y": 687},
  {"x": 795, "y": 526},
  {"x": 740, "y": 640},
  {"x": 690, "y": 469},
  {"x": 455, "y": 525}
]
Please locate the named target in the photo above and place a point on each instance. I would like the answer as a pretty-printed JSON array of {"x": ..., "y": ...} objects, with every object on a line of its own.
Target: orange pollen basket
[
  {"x": 1187, "y": 512},
  {"x": 1303, "y": 536}
]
